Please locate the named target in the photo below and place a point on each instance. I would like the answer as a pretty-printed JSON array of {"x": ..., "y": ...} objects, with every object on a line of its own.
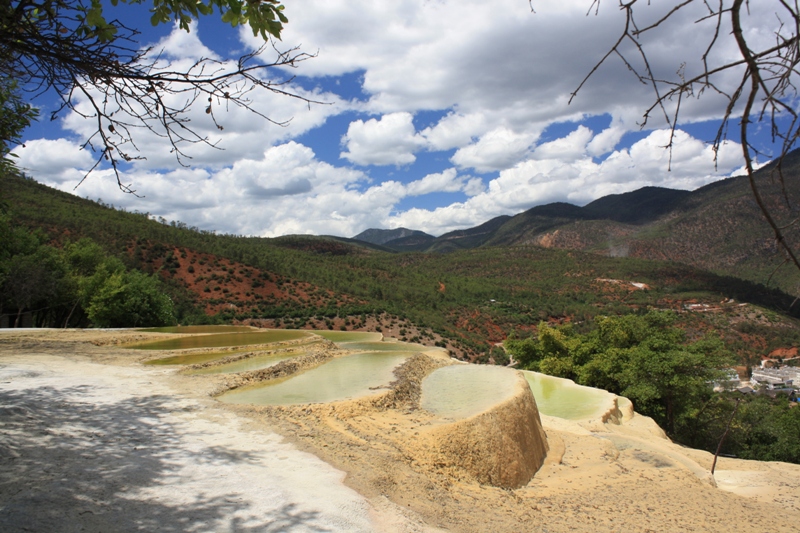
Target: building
[{"x": 775, "y": 378}]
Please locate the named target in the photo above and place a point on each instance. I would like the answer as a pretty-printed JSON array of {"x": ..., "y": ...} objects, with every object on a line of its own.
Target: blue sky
[{"x": 438, "y": 116}]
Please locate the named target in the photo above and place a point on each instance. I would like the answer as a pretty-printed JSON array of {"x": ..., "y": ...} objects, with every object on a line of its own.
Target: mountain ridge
[{"x": 717, "y": 227}]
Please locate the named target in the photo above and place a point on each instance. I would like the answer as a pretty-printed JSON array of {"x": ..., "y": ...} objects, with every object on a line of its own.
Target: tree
[
  {"x": 757, "y": 86},
  {"x": 35, "y": 282},
  {"x": 73, "y": 48},
  {"x": 642, "y": 357},
  {"x": 15, "y": 116},
  {"x": 130, "y": 299}
]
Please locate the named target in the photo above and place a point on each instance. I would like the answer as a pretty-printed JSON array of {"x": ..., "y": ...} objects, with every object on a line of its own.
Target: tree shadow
[{"x": 68, "y": 464}]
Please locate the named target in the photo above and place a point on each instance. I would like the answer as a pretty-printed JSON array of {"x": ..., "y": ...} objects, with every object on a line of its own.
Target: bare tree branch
[
  {"x": 765, "y": 92},
  {"x": 127, "y": 90}
]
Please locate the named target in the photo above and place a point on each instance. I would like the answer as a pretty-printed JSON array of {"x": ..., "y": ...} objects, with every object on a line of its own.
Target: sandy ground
[{"x": 91, "y": 440}]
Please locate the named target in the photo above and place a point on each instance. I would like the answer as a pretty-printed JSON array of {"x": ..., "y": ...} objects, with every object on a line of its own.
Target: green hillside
[{"x": 467, "y": 300}]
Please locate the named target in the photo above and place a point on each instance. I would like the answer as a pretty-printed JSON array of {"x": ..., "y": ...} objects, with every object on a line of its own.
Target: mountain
[
  {"x": 468, "y": 238},
  {"x": 384, "y": 236},
  {"x": 718, "y": 227}
]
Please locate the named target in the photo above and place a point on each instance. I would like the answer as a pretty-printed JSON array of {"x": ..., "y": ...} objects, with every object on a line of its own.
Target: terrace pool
[
  {"x": 461, "y": 391},
  {"x": 199, "y": 329},
  {"x": 342, "y": 378},
  {"x": 563, "y": 398},
  {"x": 350, "y": 336}
]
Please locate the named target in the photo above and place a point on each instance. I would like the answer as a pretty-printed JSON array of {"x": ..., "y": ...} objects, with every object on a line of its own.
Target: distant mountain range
[{"x": 718, "y": 227}]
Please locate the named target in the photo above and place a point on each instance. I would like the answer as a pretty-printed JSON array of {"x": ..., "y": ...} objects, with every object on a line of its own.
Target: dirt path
[{"x": 90, "y": 440}]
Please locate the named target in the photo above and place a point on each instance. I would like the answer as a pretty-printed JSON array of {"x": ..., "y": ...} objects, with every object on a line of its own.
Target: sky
[{"x": 435, "y": 115}]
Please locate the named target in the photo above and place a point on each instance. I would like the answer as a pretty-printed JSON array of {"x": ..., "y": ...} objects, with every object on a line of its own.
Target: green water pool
[
  {"x": 190, "y": 358},
  {"x": 349, "y": 336},
  {"x": 563, "y": 398},
  {"x": 257, "y": 362},
  {"x": 342, "y": 378},
  {"x": 199, "y": 329},
  {"x": 385, "y": 346},
  {"x": 461, "y": 391}
]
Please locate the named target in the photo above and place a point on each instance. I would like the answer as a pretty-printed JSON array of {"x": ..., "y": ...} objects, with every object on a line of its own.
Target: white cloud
[
  {"x": 580, "y": 180},
  {"x": 392, "y": 140},
  {"x": 288, "y": 190},
  {"x": 497, "y": 150},
  {"x": 605, "y": 141},
  {"x": 54, "y": 160},
  {"x": 496, "y": 73},
  {"x": 183, "y": 45},
  {"x": 567, "y": 148},
  {"x": 446, "y": 181},
  {"x": 454, "y": 131}
]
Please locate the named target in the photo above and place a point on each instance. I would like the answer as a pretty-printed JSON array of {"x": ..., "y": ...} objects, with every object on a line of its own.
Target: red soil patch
[{"x": 220, "y": 284}]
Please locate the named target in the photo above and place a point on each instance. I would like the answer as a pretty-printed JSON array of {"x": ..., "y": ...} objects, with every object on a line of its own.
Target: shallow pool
[
  {"x": 346, "y": 377},
  {"x": 385, "y": 346},
  {"x": 256, "y": 362},
  {"x": 461, "y": 391},
  {"x": 349, "y": 336},
  {"x": 191, "y": 358},
  {"x": 565, "y": 399},
  {"x": 223, "y": 339},
  {"x": 199, "y": 329}
]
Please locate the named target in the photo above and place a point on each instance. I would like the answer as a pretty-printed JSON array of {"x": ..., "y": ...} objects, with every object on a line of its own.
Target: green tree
[
  {"x": 642, "y": 357},
  {"x": 130, "y": 299},
  {"x": 35, "y": 282},
  {"x": 15, "y": 116},
  {"x": 91, "y": 270},
  {"x": 763, "y": 428},
  {"x": 525, "y": 351},
  {"x": 647, "y": 359}
]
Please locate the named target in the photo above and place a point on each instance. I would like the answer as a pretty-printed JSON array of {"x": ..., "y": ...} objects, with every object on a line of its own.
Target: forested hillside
[{"x": 468, "y": 300}]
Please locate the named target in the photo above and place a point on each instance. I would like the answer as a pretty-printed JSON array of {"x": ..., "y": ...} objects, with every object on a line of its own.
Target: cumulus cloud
[
  {"x": 392, "y": 140},
  {"x": 446, "y": 181},
  {"x": 454, "y": 131},
  {"x": 568, "y": 148},
  {"x": 183, "y": 45},
  {"x": 54, "y": 160},
  {"x": 605, "y": 141},
  {"x": 497, "y": 150},
  {"x": 494, "y": 76}
]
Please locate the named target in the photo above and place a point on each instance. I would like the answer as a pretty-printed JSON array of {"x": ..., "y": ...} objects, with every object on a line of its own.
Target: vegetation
[
  {"x": 649, "y": 360},
  {"x": 76, "y": 285},
  {"x": 642, "y": 357},
  {"x": 469, "y": 300}
]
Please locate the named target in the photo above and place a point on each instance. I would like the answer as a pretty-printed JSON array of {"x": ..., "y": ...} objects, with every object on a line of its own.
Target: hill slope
[{"x": 467, "y": 300}]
